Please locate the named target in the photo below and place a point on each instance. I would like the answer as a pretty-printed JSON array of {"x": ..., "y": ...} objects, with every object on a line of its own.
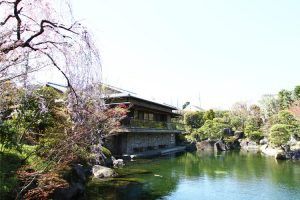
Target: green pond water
[{"x": 200, "y": 175}]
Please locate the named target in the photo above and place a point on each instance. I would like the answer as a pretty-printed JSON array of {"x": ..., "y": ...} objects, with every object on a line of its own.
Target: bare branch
[
  {"x": 63, "y": 73},
  {"x": 21, "y": 74},
  {"x": 19, "y": 21},
  {"x": 49, "y": 42},
  {"x": 6, "y": 2},
  {"x": 7, "y": 18}
]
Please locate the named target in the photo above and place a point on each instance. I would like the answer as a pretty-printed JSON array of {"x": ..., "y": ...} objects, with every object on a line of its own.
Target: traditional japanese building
[{"x": 148, "y": 125}]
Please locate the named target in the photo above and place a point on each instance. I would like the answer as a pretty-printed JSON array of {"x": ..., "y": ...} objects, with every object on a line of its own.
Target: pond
[{"x": 202, "y": 175}]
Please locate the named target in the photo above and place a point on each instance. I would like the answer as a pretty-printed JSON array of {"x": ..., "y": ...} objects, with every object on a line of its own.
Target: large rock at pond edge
[
  {"x": 249, "y": 145},
  {"x": 206, "y": 145},
  {"x": 220, "y": 146},
  {"x": 228, "y": 132},
  {"x": 79, "y": 173},
  {"x": 117, "y": 162},
  {"x": 191, "y": 147},
  {"x": 239, "y": 134},
  {"x": 103, "y": 172},
  {"x": 232, "y": 145},
  {"x": 263, "y": 141},
  {"x": 76, "y": 189},
  {"x": 295, "y": 146},
  {"x": 270, "y": 151}
]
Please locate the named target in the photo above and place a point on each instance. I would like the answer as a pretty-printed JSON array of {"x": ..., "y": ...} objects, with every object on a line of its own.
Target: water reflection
[{"x": 232, "y": 174}]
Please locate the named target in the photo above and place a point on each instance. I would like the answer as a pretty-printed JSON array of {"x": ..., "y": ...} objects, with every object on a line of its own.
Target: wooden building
[{"x": 147, "y": 127}]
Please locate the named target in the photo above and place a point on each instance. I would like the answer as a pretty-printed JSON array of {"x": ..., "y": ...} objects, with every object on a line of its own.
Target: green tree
[
  {"x": 253, "y": 129},
  {"x": 269, "y": 106},
  {"x": 284, "y": 117},
  {"x": 283, "y": 125},
  {"x": 285, "y": 99},
  {"x": 296, "y": 93},
  {"x": 239, "y": 114},
  {"x": 212, "y": 129},
  {"x": 280, "y": 134},
  {"x": 9, "y": 101},
  {"x": 209, "y": 114},
  {"x": 194, "y": 119}
]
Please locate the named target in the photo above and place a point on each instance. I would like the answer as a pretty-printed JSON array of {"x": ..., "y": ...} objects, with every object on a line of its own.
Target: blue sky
[{"x": 174, "y": 51}]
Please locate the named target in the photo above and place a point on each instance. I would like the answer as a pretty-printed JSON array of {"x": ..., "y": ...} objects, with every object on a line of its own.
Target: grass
[{"x": 10, "y": 161}]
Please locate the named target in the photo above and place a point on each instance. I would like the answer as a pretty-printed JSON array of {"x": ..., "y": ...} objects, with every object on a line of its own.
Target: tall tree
[
  {"x": 42, "y": 34},
  {"x": 269, "y": 106},
  {"x": 36, "y": 34},
  {"x": 296, "y": 93},
  {"x": 239, "y": 113},
  {"x": 285, "y": 99}
]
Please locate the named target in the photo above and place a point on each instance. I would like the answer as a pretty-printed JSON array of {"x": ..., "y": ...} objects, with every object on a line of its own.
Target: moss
[
  {"x": 106, "y": 152},
  {"x": 125, "y": 171},
  {"x": 113, "y": 182}
]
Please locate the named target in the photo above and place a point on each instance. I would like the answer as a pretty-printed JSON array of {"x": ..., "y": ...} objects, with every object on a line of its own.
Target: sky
[{"x": 211, "y": 53}]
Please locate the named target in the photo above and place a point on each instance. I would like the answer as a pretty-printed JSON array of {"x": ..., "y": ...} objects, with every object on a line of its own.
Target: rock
[
  {"x": 280, "y": 156},
  {"x": 249, "y": 145},
  {"x": 80, "y": 173},
  {"x": 228, "y": 132},
  {"x": 270, "y": 151},
  {"x": 295, "y": 137},
  {"x": 117, "y": 162},
  {"x": 220, "y": 145},
  {"x": 103, "y": 172},
  {"x": 296, "y": 155},
  {"x": 239, "y": 134},
  {"x": 206, "y": 145},
  {"x": 282, "y": 153},
  {"x": 76, "y": 190},
  {"x": 295, "y": 146},
  {"x": 233, "y": 145},
  {"x": 191, "y": 147},
  {"x": 263, "y": 141}
]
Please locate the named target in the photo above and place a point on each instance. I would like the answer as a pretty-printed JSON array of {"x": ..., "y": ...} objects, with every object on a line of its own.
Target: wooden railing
[{"x": 150, "y": 124}]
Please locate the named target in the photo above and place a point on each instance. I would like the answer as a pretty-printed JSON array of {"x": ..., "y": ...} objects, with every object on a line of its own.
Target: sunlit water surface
[{"x": 200, "y": 175}]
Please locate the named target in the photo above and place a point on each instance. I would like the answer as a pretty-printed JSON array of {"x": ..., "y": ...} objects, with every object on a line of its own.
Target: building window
[
  {"x": 136, "y": 114},
  {"x": 151, "y": 117},
  {"x": 146, "y": 116},
  {"x": 163, "y": 118},
  {"x": 141, "y": 115}
]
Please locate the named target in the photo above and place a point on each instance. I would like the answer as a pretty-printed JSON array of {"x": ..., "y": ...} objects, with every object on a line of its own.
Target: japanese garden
[{"x": 78, "y": 137}]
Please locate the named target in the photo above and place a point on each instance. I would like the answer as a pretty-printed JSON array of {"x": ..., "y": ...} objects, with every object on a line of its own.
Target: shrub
[
  {"x": 280, "y": 134},
  {"x": 212, "y": 129},
  {"x": 194, "y": 119},
  {"x": 284, "y": 117},
  {"x": 252, "y": 129},
  {"x": 209, "y": 115},
  {"x": 9, "y": 136}
]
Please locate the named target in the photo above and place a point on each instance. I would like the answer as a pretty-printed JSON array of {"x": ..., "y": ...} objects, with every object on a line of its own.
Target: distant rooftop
[
  {"x": 58, "y": 87},
  {"x": 121, "y": 95},
  {"x": 110, "y": 91}
]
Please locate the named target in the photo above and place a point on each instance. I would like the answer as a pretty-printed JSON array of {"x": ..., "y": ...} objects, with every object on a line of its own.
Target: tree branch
[
  {"x": 6, "y": 2},
  {"x": 19, "y": 21},
  {"x": 7, "y": 18},
  {"x": 63, "y": 73}
]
